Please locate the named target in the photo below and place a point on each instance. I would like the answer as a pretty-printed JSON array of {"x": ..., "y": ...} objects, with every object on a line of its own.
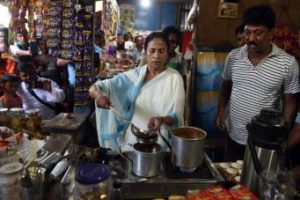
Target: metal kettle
[
  {"x": 265, "y": 149},
  {"x": 147, "y": 154}
]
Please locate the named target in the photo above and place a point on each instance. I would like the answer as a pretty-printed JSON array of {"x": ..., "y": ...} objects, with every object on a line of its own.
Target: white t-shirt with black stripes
[{"x": 257, "y": 87}]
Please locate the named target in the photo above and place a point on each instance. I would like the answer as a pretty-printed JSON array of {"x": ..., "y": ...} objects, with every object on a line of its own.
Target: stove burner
[
  {"x": 188, "y": 170},
  {"x": 177, "y": 173}
]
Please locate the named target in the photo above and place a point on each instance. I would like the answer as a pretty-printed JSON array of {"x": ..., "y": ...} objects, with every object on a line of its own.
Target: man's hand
[
  {"x": 220, "y": 121},
  {"x": 47, "y": 86}
]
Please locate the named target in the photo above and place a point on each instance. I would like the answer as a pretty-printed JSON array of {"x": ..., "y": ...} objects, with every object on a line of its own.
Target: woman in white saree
[{"x": 151, "y": 96}]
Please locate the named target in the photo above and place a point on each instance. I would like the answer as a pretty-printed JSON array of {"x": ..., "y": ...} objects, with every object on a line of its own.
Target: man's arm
[
  {"x": 62, "y": 62},
  {"x": 289, "y": 107},
  {"x": 19, "y": 52},
  {"x": 223, "y": 99},
  {"x": 23, "y": 52},
  {"x": 294, "y": 136}
]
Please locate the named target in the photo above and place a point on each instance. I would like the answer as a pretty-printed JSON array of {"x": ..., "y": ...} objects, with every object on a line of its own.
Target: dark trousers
[{"x": 233, "y": 150}]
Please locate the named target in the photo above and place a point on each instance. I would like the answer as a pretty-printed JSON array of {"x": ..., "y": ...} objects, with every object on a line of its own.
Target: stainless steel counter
[{"x": 134, "y": 187}]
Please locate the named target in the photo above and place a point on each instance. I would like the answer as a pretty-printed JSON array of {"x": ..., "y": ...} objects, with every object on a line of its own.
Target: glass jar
[
  {"x": 4, "y": 117},
  {"x": 10, "y": 181},
  {"x": 33, "y": 121},
  {"x": 17, "y": 119},
  {"x": 92, "y": 181}
]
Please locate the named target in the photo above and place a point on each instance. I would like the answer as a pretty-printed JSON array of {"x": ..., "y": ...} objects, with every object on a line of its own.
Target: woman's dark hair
[
  {"x": 155, "y": 35},
  {"x": 260, "y": 15}
]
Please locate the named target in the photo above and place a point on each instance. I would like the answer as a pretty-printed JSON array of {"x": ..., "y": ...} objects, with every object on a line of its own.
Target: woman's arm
[{"x": 101, "y": 100}]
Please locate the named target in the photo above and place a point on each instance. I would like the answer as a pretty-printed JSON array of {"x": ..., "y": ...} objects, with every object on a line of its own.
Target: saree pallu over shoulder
[{"x": 122, "y": 90}]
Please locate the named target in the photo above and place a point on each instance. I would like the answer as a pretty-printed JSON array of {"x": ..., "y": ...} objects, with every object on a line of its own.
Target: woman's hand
[
  {"x": 154, "y": 123},
  {"x": 102, "y": 101}
]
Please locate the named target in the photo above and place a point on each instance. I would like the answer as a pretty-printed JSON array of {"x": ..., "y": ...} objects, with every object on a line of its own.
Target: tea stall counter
[{"x": 67, "y": 123}]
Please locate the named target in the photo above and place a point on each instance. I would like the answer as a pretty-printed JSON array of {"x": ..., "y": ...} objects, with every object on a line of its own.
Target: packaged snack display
[
  {"x": 241, "y": 192},
  {"x": 64, "y": 27},
  {"x": 83, "y": 50},
  {"x": 218, "y": 192},
  {"x": 52, "y": 12},
  {"x": 67, "y": 30},
  {"x": 215, "y": 193}
]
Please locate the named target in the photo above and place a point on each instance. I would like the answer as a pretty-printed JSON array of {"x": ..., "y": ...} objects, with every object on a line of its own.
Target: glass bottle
[
  {"x": 17, "y": 119},
  {"x": 33, "y": 121},
  {"x": 4, "y": 117}
]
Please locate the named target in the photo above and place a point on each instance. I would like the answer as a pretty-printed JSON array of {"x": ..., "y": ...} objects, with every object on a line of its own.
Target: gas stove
[{"x": 171, "y": 180}]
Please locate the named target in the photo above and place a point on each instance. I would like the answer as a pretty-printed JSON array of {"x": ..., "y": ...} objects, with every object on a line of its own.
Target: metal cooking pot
[
  {"x": 146, "y": 159},
  {"x": 187, "y": 146}
]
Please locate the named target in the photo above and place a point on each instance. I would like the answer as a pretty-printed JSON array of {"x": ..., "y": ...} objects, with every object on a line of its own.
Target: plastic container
[
  {"x": 17, "y": 119},
  {"x": 92, "y": 181}
]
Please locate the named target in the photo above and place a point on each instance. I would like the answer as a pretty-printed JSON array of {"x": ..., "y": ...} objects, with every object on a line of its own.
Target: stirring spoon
[{"x": 126, "y": 120}]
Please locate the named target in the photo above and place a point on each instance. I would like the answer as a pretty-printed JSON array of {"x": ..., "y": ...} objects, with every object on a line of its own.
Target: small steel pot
[
  {"x": 146, "y": 159},
  {"x": 187, "y": 146}
]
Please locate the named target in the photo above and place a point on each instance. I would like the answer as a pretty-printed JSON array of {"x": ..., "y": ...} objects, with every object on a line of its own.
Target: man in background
[
  {"x": 10, "y": 98},
  {"x": 7, "y": 64},
  {"x": 20, "y": 50},
  {"x": 175, "y": 57},
  {"x": 239, "y": 34},
  {"x": 138, "y": 50},
  {"x": 255, "y": 76},
  {"x": 39, "y": 92}
]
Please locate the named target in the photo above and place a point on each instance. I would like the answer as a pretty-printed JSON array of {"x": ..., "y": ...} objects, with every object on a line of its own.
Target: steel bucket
[
  {"x": 146, "y": 159},
  {"x": 187, "y": 147}
]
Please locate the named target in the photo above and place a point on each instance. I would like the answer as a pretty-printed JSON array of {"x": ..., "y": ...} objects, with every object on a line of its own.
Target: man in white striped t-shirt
[{"x": 255, "y": 76}]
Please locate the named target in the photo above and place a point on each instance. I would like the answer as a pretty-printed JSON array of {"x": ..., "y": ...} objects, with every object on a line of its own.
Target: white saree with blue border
[{"x": 138, "y": 100}]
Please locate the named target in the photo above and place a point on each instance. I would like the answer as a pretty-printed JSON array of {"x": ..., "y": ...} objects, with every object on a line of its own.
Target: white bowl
[
  {"x": 224, "y": 165},
  {"x": 231, "y": 171},
  {"x": 236, "y": 166},
  {"x": 237, "y": 179},
  {"x": 240, "y": 171},
  {"x": 240, "y": 162}
]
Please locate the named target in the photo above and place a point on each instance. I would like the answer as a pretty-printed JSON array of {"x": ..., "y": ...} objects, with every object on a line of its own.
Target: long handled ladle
[{"x": 134, "y": 128}]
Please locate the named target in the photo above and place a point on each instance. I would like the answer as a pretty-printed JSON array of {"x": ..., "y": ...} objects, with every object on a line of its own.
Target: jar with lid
[
  {"x": 17, "y": 119},
  {"x": 92, "y": 181},
  {"x": 33, "y": 121},
  {"x": 4, "y": 117},
  {"x": 10, "y": 181}
]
